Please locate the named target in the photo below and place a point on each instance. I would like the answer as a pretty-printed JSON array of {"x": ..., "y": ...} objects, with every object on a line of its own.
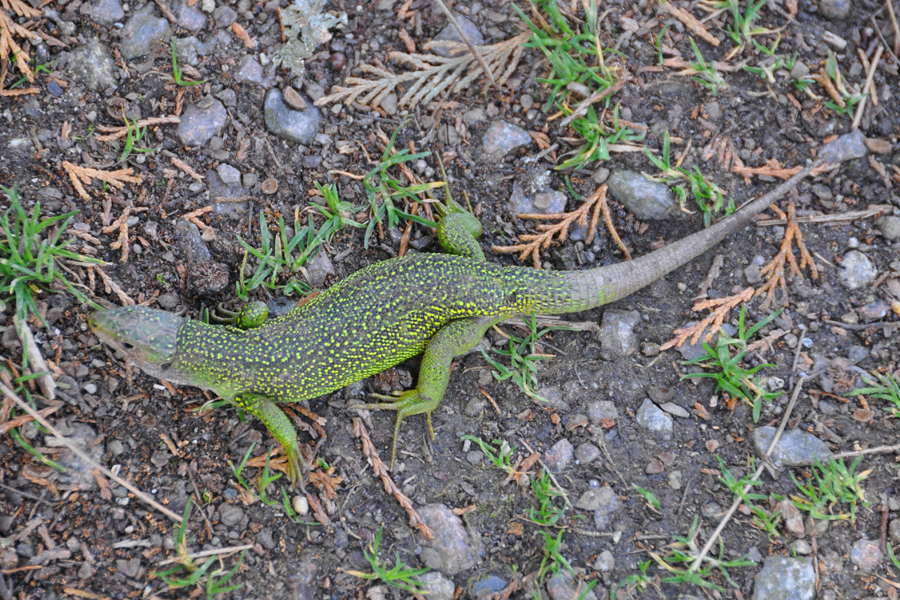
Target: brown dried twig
[
  {"x": 116, "y": 133},
  {"x": 381, "y": 470},
  {"x": 721, "y": 306},
  {"x": 36, "y": 361},
  {"x": 120, "y": 225},
  {"x": 692, "y": 23},
  {"x": 772, "y": 168},
  {"x": 82, "y": 175},
  {"x": 112, "y": 287},
  {"x": 9, "y": 30},
  {"x": 533, "y": 243},
  {"x": 433, "y": 74},
  {"x": 774, "y": 270}
]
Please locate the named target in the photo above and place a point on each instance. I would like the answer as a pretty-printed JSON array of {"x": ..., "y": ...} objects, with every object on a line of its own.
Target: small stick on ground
[
  {"x": 112, "y": 287},
  {"x": 468, "y": 44},
  {"x": 36, "y": 361},
  {"x": 381, "y": 470},
  {"x": 893, "y": 17},
  {"x": 868, "y": 88},
  {"x": 116, "y": 133},
  {"x": 698, "y": 562},
  {"x": 876, "y": 450},
  {"x": 224, "y": 552},
  {"x": 82, "y": 455},
  {"x": 559, "y": 488}
]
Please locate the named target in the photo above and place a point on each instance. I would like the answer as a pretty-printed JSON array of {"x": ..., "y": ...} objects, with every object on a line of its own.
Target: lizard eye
[
  {"x": 128, "y": 345},
  {"x": 165, "y": 366}
]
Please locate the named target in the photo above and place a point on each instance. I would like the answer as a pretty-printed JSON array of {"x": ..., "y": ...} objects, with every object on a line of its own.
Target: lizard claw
[
  {"x": 406, "y": 403},
  {"x": 294, "y": 472}
]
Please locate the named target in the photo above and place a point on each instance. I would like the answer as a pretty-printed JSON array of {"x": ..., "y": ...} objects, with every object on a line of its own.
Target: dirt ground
[{"x": 77, "y": 534}]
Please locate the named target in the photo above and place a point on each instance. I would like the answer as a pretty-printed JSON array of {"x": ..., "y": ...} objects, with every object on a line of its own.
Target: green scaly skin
[{"x": 436, "y": 304}]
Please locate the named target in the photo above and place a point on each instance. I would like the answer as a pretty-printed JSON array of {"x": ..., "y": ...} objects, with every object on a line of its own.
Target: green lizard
[{"x": 437, "y": 304}]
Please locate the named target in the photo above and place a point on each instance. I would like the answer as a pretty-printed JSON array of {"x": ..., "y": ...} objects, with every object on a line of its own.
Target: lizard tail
[{"x": 575, "y": 291}]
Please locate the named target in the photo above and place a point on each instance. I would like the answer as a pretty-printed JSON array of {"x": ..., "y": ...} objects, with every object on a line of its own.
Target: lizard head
[{"x": 145, "y": 335}]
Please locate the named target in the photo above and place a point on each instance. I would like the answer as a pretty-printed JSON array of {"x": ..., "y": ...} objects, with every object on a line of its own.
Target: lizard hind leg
[
  {"x": 281, "y": 429},
  {"x": 455, "y": 338}
]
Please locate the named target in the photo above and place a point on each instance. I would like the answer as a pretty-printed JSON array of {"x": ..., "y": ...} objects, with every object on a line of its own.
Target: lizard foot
[
  {"x": 294, "y": 472},
  {"x": 406, "y": 403}
]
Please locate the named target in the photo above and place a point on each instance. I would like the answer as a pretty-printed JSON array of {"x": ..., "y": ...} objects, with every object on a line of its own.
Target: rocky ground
[{"x": 171, "y": 164}]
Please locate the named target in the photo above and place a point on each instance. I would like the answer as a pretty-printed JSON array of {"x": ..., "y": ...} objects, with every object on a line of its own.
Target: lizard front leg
[
  {"x": 281, "y": 429},
  {"x": 454, "y": 338}
]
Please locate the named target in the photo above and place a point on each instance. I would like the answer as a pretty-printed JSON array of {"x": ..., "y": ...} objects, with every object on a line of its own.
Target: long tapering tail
[{"x": 575, "y": 291}]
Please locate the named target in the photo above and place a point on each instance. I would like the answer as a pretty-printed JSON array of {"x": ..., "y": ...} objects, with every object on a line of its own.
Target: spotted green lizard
[{"x": 437, "y": 304}]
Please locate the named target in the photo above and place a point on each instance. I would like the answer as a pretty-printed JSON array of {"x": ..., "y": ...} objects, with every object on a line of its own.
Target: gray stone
[
  {"x": 299, "y": 126},
  {"x": 675, "y": 410},
  {"x": 651, "y": 418},
  {"x": 605, "y": 503},
  {"x": 800, "y": 70},
  {"x": 587, "y": 453},
  {"x": 857, "y": 270},
  {"x": 390, "y": 104},
  {"x": 436, "y": 587},
  {"x": 784, "y": 578},
  {"x": 107, "y": 11},
  {"x": 205, "y": 276},
  {"x": 646, "y": 199},
  {"x": 187, "y": 50},
  {"x": 894, "y": 527},
  {"x": 92, "y": 65},
  {"x": 230, "y": 175},
  {"x": 549, "y": 202},
  {"x": 674, "y": 480},
  {"x": 617, "y": 335},
  {"x": 487, "y": 586},
  {"x": 160, "y": 458},
  {"x": 602, "y": 410},
  {"x": 250, "y": 71},
  {"x": 189, "y": 17},
  {"x": 168, "y": 301},
  {"x": 143, "y": 31},
  {"x": 224, "y": 16},
  {"x": 866, "y": 554},
  {"x": 475, "y": 115},
  {"x": 606, "y": 562},
  {"x": 890, "y": 228},
  {"x": 201, "y": 121},
  {"x": 562, "y": 586},
  {"x": 795, "y": 448},
  {"x": 559, "y": 455},
  {"x": 451, "y": 551},
  {"x": 451, "y": 34},
  {"x": 835, "y": 10},
  {"x": 874, "y": 311},
  {"x": 501, "y": 138},
  {"x": 230, "y": 514},
  {"x": 846, "y": 147},
  {"x": 318, "y": 268}
]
